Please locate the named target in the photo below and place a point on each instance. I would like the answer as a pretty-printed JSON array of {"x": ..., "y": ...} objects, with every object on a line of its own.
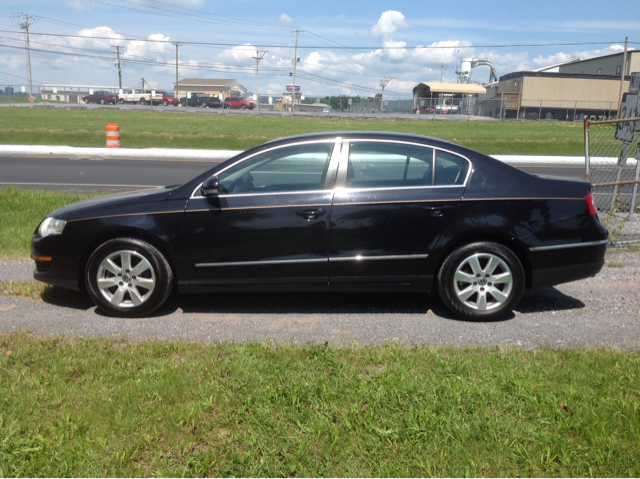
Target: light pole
[
  {"x": 383, "y": 83},
  {"x": 295, "y": 61}
]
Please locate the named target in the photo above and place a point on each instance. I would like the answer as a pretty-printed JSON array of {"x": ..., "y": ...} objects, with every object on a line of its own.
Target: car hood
[{"x": 110, "y": 204}]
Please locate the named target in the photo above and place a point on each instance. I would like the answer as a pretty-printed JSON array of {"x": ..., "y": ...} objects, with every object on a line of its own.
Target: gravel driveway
[{"x": 597, "y": 312}]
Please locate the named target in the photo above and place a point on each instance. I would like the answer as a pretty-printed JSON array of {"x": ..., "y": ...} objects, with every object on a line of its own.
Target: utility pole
[
  {"x": 25, "y": 27},
  {"x": 441, "y": 72},
  {"x": 295, "y": 61},
  {"x": 175, "y": 92},
  {"x": 257, "y": 58},
  {"x": 383, "y": 83},
  {"x": 118, "y": 63}
]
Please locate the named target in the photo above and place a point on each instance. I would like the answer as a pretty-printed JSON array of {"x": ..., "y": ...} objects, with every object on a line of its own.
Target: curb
[{"x": 221, "y": 155}]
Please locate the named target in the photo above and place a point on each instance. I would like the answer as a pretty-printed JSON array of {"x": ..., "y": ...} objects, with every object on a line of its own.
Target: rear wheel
[
  {"x": 86, "y": 100},
  {"x": 165, "y": 103},
  {"x": 143, "y": 101},
  {"x": 128, "y": 277},
  {"x": 203, "y": 104},
  {"x": 481, "y": 281},
  {"x": 244, "y": 107},
  {"x": 122, "y": 101},
  {"x": 102, "y": 101}
]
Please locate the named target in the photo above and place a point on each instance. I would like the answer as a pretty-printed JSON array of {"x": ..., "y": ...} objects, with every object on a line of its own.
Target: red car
[
  {"x": 101, "y": 97},
  {"x": 237, "y": 103},
  {"x": 169, "y": 99}
]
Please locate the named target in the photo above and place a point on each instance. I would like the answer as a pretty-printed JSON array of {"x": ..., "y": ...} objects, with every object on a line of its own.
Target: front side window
[
  {"x": 382, "y": 165},
  {"x": 293, "y": 168}
]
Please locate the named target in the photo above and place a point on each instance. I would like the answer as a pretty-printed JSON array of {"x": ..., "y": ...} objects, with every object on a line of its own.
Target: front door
[{"x": 269, "y": 225}]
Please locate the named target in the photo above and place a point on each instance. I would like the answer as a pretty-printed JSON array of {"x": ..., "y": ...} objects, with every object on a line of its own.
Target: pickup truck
[
  {"x": 238, "y": 103},
  {"x": 201, "y": 101},
  {"x": 135, "y": 95}
]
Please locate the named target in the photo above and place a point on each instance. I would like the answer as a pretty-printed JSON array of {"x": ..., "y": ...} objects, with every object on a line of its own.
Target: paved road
[
  {"x": 104, "y": 175},
  {"x": 597, "y": 312}
]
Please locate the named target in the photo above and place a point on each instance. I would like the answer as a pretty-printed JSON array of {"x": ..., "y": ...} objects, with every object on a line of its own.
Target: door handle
[
  {"x": 436, "y": 210},
  {"x": 311, "y": 214}
]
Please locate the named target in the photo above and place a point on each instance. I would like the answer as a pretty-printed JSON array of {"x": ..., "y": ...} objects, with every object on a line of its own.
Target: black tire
[
  {"x": 143, "y": 101},
  {"x": 102, "y": 101},
  {"x": 203, "y": 104},
  {"x": 122, "y": 102},
  {"x": 121, "y": 288},
  {"x": 165, "y": 103},
  {"x": 86, "y": 101},
  {"x": 244, "y": 107},
  {"x": 497, "y": 276}
]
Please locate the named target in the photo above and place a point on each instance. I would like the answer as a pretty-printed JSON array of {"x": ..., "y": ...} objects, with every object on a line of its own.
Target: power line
[{"x": 419, "y": 47}]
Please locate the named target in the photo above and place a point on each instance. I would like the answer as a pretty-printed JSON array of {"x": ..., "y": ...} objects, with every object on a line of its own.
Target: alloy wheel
[
  {"x": 483, "y": 281},
  {"x": 126, "y": 279}
]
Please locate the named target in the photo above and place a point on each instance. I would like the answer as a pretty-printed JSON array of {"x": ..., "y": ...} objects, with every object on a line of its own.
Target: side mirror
[{"x": 211, "y": 187}]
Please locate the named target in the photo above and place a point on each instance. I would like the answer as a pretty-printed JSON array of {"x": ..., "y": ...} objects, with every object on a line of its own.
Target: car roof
[{"x": 374, "y": 135}]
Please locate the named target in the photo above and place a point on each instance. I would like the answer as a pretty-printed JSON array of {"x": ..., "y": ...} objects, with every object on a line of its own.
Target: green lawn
[
  {"x": 99, "y": 407},
  {"x": 141, "y": 129},
  {"x": 20, "y": 214}
]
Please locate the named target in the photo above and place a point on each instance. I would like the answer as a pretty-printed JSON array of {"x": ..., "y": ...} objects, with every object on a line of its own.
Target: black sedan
[{"x": 348, "y": 211}]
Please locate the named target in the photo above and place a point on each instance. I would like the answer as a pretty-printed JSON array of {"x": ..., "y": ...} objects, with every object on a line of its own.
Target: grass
[
  {"x": 100, "y": 407},
  {"x": 142, "y": 129},
  {"x": 24, "y": 289},
  {"x": 20, "y": 213}
]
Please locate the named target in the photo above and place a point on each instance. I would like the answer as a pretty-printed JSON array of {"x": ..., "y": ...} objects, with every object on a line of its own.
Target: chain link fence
[{"x": 613, "y": 167}]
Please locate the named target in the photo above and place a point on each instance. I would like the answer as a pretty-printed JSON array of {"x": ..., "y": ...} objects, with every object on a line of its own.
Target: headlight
[{"x": 51, "y": 226}]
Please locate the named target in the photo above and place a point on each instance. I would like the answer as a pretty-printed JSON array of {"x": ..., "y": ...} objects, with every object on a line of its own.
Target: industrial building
[{"x": 568, "y": 91}]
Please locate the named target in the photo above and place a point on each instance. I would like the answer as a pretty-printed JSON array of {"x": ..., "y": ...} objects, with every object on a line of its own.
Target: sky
[{"x": 345, "y": 47}]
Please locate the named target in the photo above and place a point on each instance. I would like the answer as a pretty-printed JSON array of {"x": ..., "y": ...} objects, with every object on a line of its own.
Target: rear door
[{"x": 393, "y": 202}]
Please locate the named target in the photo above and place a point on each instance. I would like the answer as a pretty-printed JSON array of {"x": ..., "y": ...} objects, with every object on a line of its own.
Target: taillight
[{"x": 591, "y": 206}]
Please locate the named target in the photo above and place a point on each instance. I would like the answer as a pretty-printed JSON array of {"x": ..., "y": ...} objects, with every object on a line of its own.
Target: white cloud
[
  {"x": 284, "y": 18},
  {"x": 387, "y": 24},
  {"x": 239, "y": 54}
]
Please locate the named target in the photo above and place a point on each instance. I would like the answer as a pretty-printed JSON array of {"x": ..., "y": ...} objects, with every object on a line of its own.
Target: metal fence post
[
  {"x": 587, "y": 160},
  {"x": 540, "y": 111},
  {"x": 635, "y": 187}
]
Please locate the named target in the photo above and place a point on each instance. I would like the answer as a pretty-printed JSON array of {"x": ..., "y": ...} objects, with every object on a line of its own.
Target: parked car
[
  {"x": 138, "y": 95},
  {"x": 203, "y": 101},
  {"x": 101, "y": 97},
  {"x": 168, "y": 99},
  {"x": 348, "y": 211},
  {"x": 238, "y": 103}
]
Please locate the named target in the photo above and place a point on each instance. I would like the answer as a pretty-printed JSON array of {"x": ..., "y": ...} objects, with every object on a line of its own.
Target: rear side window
[
  {"x": 375, "y": 164},
  {"x": 450, "y": 169}
]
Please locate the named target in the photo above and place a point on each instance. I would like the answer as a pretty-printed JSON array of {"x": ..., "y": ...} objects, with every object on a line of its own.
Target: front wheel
[
  {"x": 203, "y": 104},
  {"x": 86, "y": 100},
  {"x": 165, "y": 103},
  {"x": 143, "y": 101},
  {"x": 128, "y": 277},
  {"x": 481, "y": 281},
  {"x": 102, "y": 101},
  {"x": 122, "y": 101}
]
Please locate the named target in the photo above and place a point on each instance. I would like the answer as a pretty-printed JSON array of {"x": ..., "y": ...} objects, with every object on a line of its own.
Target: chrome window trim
[
  {"x": 271, "y": 194},
  {"x": 347, "y": 189},
  {"x": 569, "y": 245},
  {"x": 335, "y": 141},
  {"x": 348, "y": 142}
]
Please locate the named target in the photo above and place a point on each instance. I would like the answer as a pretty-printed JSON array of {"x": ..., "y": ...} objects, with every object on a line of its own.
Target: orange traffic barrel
[{"x": 113, "y": 136}]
